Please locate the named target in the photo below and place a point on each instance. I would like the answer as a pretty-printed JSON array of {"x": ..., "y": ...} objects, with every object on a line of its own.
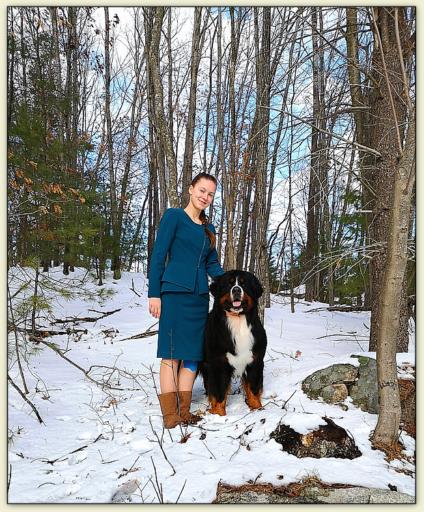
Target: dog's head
[{"x": 236, "y": 291}]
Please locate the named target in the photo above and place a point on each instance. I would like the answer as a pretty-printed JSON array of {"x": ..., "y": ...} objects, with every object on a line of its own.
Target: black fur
[{"x": 217, "y": 372}]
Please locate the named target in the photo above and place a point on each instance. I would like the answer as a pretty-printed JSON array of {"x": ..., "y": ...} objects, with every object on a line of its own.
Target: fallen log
[
  {"x": 42, "y": 333},
  {"x": 343, "y": 309}
]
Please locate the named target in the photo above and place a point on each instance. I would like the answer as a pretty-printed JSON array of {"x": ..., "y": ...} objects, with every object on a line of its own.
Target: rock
[
  {"x": 313, "y": 492},
  {"x": 334, "y": 383},
  {"x": 366, "y": 495},
  {"x": 124, "y": 491},
  {"x": 334, "y": 393},
  {"x": 335, "y": 374},
  {"x": 364, "y": 392}
]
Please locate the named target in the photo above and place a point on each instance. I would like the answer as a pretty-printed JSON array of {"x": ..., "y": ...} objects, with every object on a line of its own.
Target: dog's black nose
[{"x": 236, "y": 289}]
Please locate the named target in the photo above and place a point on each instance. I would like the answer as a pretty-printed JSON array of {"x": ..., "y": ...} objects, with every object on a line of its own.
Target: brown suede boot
[
  {"x": 186, "y": 415},
  {"x": 169, "y": 407}
]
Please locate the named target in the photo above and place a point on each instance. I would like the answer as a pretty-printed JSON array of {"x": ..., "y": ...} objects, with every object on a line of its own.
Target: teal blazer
[{"x": 190, "y": 257}]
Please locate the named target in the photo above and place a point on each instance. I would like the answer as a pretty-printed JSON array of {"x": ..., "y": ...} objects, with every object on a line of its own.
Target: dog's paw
[{"x": 217, "y": 410}]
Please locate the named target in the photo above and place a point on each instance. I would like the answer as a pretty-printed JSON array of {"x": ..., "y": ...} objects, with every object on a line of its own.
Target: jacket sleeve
[
  {"x": 164, "y": 237},
  {"x": 213, "y": 267}
]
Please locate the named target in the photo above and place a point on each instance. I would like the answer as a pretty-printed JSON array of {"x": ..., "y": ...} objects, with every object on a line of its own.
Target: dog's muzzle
[{"x": 236, "y": 294}]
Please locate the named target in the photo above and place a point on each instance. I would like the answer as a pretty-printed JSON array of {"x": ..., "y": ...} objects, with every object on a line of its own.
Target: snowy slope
[{"x": 97, "y": 445}]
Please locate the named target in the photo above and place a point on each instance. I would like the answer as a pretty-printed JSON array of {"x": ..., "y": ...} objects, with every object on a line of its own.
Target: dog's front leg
[
  {"x": 252, "y": 382},
  {"x": 219, "y": 383}
]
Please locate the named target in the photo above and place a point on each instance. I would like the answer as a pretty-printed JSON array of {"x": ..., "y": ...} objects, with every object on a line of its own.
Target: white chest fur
[{"x": 243, "y": 343}]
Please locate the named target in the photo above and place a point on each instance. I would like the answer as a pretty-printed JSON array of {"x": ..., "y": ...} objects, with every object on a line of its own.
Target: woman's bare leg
[
  {"x": 168, "y": 375},
  {"x": 186, "y": 378}
]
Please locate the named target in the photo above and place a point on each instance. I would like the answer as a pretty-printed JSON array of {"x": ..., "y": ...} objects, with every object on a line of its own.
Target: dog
[{"x": 235, "y": 340}]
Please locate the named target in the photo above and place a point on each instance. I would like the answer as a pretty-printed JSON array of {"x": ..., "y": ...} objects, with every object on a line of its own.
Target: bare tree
[
  {"x": 196, "y": 54},
  {"x": 391, "y": 28}
]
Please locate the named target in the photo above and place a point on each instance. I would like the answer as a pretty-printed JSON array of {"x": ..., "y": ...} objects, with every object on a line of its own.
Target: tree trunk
[
  {"x": 387, "y": 429},
  {"x": 164, "y": 136},
  {"x": 387, "y": 118},
  {"x": 196, "y": 53},
  {"x": 360, "y": 103},
  {"x": 263, "y": 60},
  {"x": 116, "y": 263},
  {"x": 312, "y": 220}
]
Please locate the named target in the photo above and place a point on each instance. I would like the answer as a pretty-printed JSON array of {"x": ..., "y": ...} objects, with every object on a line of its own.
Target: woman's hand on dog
[{"x": 154, "y": 306}]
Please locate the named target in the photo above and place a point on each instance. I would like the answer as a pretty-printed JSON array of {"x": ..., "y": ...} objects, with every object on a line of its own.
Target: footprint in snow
[
  {"x": 72, "y": 489},
  {"x": 86, "y": 436},
  {"x": 63, "y": 418},
  {"x": 128, "y": 427},
  {"x": 123, "y": 440},
  {"x": 76, "y": 458},
  {"x": 141, "y": 444}
]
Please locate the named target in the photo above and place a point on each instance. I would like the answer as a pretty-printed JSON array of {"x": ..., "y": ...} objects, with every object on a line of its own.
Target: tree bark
[
  {"x": 116, "y": 264},
  {"x": 312, "y": 220},
  {"x": 263, "y": 61},
  {"x": 165, "y": 138},
  {"x": 387, "y": 429},
  {"x": 387, "y": 119},
  {"x": 196, "y": 54}
]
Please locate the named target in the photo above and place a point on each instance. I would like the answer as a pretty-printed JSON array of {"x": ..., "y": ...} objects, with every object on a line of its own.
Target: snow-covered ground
[{"x": 98, "y": 445}]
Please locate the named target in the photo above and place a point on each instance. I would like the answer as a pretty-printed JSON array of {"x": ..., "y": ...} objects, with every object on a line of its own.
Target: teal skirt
[{"x": 182, "y": 325}]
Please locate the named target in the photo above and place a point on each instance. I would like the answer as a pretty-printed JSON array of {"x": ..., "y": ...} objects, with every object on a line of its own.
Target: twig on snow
[{"x": 160, "y": 442}]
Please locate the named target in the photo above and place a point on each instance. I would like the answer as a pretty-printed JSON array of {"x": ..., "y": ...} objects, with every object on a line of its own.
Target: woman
[{"x": 179, "y": 296}]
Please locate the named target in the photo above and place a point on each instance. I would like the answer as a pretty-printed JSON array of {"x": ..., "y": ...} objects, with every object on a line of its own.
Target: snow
[{"x": 98, "y": 446}]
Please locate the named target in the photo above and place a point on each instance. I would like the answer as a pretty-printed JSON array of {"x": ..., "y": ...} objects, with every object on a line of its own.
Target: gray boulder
[
  {"x": 364, "y": 392},
  {"x": 334, "y": 374},
  {"x": 334, "y": 393}
]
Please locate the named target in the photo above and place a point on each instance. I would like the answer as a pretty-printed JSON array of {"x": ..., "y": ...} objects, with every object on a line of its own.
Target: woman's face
[{"x": 202, "y": 193}]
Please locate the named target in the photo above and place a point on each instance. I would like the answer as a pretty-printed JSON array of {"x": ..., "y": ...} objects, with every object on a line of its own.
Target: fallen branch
[
  {"x": 25, "y": 398},
  {"x": 86, "y": 318},
  {"x": 349, "y": 334},
  {"x": 133, "y": 289},
  {"x": 61, "y": 459},
  {"x": 159, "y": 488},
  {"x": 85, "y": 372},
  {"x": 185, "y": 481},
  {"x": 285, "y": 355},
  {"x": 10, "y": 478},
  {"x": 144, "y": 334},
  {"x": 288, "y": 399}
]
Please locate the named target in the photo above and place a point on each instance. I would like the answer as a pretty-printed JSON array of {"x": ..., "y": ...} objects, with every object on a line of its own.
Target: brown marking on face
[
  {"x": 225, "y": 298},
  {"x": 249, "y": 301},
  {"x": 252, "y": 400}
]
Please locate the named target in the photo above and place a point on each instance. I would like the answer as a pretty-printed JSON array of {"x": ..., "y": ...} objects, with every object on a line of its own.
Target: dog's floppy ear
[
  {"x": 213, "y": 287},
  {"x": 257, "y": 287}
]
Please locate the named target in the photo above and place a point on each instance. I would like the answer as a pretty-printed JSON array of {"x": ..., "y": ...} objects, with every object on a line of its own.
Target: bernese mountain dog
[{"x": 235, "y": 340}]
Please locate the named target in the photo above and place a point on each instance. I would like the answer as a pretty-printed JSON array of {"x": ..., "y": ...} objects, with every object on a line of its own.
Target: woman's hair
[{"x": 203, "y": 217}]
